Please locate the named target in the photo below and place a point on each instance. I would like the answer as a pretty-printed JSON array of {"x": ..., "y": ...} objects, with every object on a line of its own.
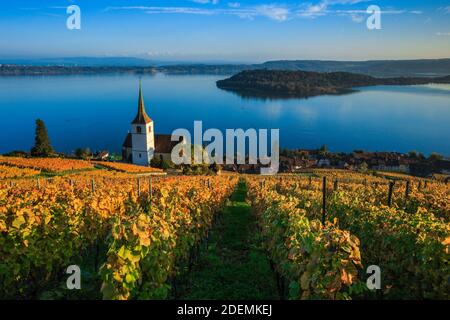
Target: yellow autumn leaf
[{"x": 18, "y": 222}]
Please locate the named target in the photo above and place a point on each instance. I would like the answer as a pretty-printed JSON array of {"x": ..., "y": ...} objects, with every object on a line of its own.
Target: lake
[{"x": 96, "y": 111}]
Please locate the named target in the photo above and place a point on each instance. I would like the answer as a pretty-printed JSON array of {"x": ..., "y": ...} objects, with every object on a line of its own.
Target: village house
[
  {"x": 323, "y": 163},
  {"x": 443, "y": 166},
  {"x": 103, "y": 155}
]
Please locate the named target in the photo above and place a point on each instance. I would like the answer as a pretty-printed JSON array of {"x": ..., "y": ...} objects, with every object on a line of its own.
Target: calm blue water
[{"x": 96, "y": 111}]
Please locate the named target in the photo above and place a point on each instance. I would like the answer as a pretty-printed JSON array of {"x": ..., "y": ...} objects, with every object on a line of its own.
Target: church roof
[
  {"x": 127, "y": 142},
  {"x": 164, "y": 144},
  {"x": 141, "y": 117}
]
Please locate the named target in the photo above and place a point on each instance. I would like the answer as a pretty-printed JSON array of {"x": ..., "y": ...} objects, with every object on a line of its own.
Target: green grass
[{"x": 234, "y": 265}]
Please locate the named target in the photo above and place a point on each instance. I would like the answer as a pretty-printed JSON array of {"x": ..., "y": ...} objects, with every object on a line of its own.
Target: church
[{"x": 141, "y": 143}]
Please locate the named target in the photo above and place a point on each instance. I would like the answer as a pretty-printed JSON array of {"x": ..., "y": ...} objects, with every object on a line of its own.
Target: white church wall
[{"x": 143, "y": 143}]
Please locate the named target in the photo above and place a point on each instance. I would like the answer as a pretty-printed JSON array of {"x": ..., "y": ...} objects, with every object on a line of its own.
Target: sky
[{"x": 221, "y": 30}]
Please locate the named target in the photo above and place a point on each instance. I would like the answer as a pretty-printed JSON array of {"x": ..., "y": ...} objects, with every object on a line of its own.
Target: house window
[
  {"x": 140, "y": 155},
  {"x": 139, "y": 129},
  {"x": 149, "y": 129}
]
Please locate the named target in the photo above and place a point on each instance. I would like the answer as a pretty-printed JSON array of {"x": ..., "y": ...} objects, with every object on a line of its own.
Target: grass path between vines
[{"x": 234, "y": 264}]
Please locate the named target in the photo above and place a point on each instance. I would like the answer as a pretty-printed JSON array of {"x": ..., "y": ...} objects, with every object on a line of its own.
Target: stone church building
[{"x": 142, "y": 144}]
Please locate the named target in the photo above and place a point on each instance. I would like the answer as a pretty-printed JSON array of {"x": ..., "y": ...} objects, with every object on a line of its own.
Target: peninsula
[{"x": 304, "y": 84}]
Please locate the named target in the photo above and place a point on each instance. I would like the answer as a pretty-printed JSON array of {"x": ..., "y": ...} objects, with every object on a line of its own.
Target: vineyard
[
  {"x": 125, "y": 167},
  {"x": 322, "y": 235},
  {"x": 46, "y": 164},
  {"x": 135, "y": 235}
]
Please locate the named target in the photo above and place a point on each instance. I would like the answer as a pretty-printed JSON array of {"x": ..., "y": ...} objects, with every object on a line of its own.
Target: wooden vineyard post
[
  {"x": 419, "y": 187},
  {"x": 407, "y": 189},
  {"x": 92, "y": 185},
  {"x": 209, "y": 184},
  {"x": 139, "y": 186},
  {"x": 391, "y": 189},
  {"x": 310, "y": 181},
  {"x": 150, "y": 188},
  {"x": 38, "y": 184},
  {"x": 336, "y": 186},
  {"x": 324, "y": 198}
]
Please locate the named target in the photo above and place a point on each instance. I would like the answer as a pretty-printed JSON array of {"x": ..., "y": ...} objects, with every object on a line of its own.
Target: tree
[
  {"x": 79, "y": 153},
  {"x": 284, "y": 152},
  {"x": 363, "y": 167},
  {"x": 303, "y": 155},
  {"x": 323, "y": 151},
  {"x": 215, "y": 168},
  {"x": 187, "y": 170},
  {"x": 17, "y": 153},
  {"x": 42, "y": 145},
  {"x": 155, "y": 162},
  {"x": 88, "y": 154},
  {"x": 413, "y": 154},
  {"x": 435, "y": 156},
  {"x": 324, "y": 148},
  {"x": 85, "y": 154},
  {"x": 165, "y": 164}
]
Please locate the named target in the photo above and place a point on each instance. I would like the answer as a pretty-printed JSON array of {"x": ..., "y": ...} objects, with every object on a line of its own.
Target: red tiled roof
[{"x": 163, "y": 143}]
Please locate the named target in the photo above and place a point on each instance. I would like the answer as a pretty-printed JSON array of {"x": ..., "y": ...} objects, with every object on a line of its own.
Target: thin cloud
[
  {"x": 357, "y": 18},
  {"x": 321, "y": 9},
  {"x": 177, "y": 10},
  {"x": 234, "y": 4},
  {"x": 445, "y": 34},
  {"x": 445, "y": 10},
  {"x": 206, "y": 1},
  {"x": 313, "y": 11},
  {"x": 273, "y": 12}
]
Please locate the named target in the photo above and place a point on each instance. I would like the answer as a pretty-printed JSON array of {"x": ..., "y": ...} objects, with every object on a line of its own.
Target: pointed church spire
[{"x": 141, "y": 117}]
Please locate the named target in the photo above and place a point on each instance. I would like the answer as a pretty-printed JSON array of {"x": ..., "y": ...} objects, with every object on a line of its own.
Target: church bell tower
[{"x": 142, "y": 135}]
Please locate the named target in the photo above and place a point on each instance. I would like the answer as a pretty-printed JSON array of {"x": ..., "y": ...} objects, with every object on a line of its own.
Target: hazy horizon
[{"x": 200, "y": 60}]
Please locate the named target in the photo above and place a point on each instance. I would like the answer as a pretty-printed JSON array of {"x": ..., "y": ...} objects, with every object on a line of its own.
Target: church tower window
[{"x": 139, "y": 129}]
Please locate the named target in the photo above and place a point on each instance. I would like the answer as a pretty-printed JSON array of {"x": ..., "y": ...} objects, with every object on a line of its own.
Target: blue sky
[{"x": 207, "y": 30}]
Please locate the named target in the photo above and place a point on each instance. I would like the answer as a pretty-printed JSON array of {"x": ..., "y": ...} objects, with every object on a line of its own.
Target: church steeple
[{"x": 141, "y": 117}]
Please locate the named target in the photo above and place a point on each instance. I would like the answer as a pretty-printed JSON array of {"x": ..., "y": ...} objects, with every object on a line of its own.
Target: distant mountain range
[
  {"x": 377, "y": 68},
  {"x": 76, "y": 65},
  {"x": 88, "y": 62}
]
